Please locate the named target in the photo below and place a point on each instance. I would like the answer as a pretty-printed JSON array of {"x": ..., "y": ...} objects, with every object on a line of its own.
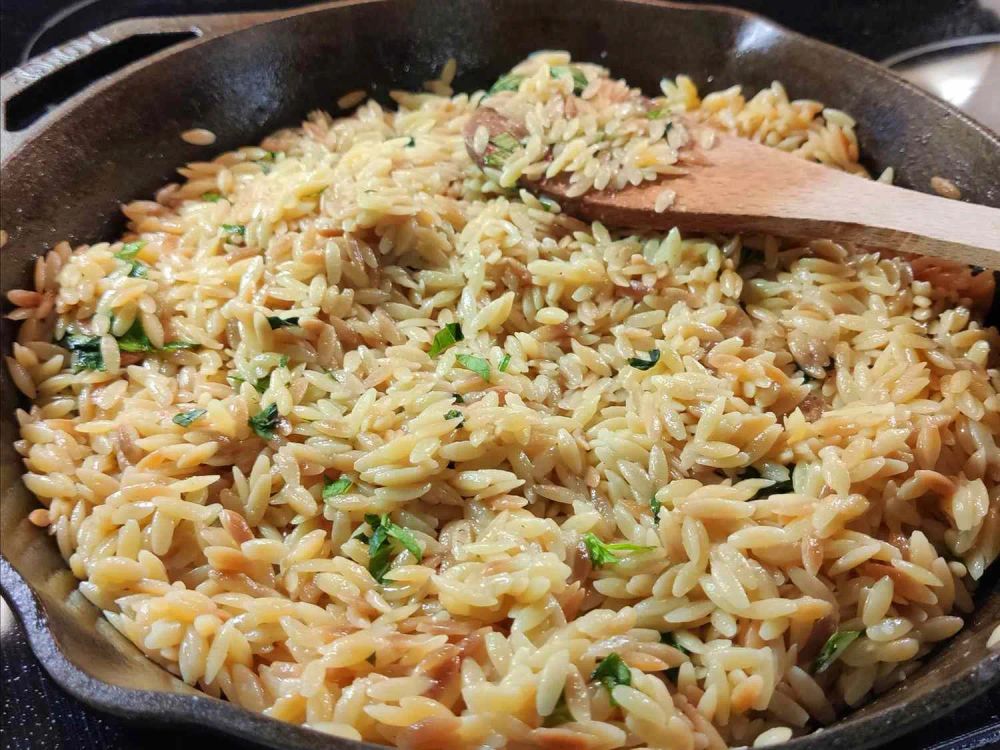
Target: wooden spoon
[{"x": 738, "y": 186}]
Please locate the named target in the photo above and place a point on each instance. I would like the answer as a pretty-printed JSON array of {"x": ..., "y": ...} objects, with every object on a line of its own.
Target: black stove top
[
  {"x": 875, "y": 28},
  {"x": 38, "y": 715}
]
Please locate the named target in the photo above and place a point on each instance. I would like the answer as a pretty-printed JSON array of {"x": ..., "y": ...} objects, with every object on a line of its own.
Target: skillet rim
[{"x": 852, "y": 732}]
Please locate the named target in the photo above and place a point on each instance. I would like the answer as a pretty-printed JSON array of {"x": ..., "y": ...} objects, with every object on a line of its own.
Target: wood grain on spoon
[{"x": 737, "y": 185}]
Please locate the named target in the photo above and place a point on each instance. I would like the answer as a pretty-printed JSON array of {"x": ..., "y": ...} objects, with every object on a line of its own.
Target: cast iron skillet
[{"x": 66, "y": 176}]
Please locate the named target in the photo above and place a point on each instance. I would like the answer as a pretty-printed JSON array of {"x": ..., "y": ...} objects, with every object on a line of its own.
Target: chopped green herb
[
  {"x": 283, "y": 360},
  {"x": 446, "y": 338},
  {"x": 778, "y": 488},
  {"x": 500, "y": 148},
  {"x": 211, "y": 197},
  {"x": 239, "y": 229},
  {"x": 338, "y": 487},
  {"x": 580, "y": 81},
  {"x": 508, "y": 82},
  {"x": 455, "y": 414},
  {"x": 671, "y": 640},
  {"x": 548, "y": 204},
  {"x": 135, "y": 339},
  {"x": 173, "y": 346},
  {"x": 612, "y": 671},
  {"x": 458, "y": 398},
  {"x": 260, "y": 385},
  {"x": 411, "y": 142},
  {"x": 655, "y": 113},
  {"x": 560, "y": 714},
  {"x": 265, "y": 422},
  {"x": 130, "y": 250},
  {"x": 139, "y": 270},
  {"x": 604, "y": 554},
  {"x": 275, "y": 322},
  {"x": 833, "y": 648},
  {"x": 643, "y": 364},
  {"x": 655, "y": 506},
  {"x": 86, "y": 351},
  {"x": 185, "y": 418},
  {"x": 380, "y": 545},
  {"x": 477, "y": 364}
]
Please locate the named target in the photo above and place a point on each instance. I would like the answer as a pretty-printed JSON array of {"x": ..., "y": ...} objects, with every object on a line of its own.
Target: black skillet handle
[{"x": 38, "y": 68}]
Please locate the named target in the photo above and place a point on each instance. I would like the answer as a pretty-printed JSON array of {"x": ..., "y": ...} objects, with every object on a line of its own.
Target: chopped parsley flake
[
  {"x": 211, "y": 197},
  {"x": 504, "y": 363}
]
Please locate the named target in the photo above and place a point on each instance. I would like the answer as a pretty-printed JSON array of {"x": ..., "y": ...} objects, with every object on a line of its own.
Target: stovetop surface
[{"x": 36, "y": 714}]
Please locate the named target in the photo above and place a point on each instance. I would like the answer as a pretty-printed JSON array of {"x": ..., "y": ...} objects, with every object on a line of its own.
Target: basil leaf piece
[
  {"x": 655, "y": 506},
  {"x": 560, "y": 714},
  {"x": 135, "y": 339},
  {"x": 601, "y": 553},
  {"x": 336, "y": 487},
  {"x": 446, "y": 338},
  {"x": 380, "y": 546},
  {"x": 500, "y": 148},
  {"x": 275, "y": 322},
  {"x": 671, "y": 640},
  {"x": 612, "y": 671},
  {"x": 185, "y": 418},
  {"x": 130, "y": 250},
  {"x": 86, "y": 352},
  {"x": 835, "y": 645},
  {"x": 477, "y": 364},
  {"x": 139, "y": 270},
  {"x": 174, "y": 346},
  {"x": 265, "y": 422},
  {"x": 643, "y": 364},
  {"x": 580, "y": 81},
  {"x": 508, "y": 82}
]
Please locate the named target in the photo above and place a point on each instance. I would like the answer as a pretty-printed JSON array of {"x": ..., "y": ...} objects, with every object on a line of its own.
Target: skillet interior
[{"x": 121, "y": 142}]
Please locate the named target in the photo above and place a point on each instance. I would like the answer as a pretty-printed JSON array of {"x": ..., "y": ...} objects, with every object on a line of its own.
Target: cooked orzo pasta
[{"x": 353, "y": 434}]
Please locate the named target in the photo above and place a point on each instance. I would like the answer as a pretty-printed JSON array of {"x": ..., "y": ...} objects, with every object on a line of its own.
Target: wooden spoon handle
[{"x": 744, "y": 187}]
